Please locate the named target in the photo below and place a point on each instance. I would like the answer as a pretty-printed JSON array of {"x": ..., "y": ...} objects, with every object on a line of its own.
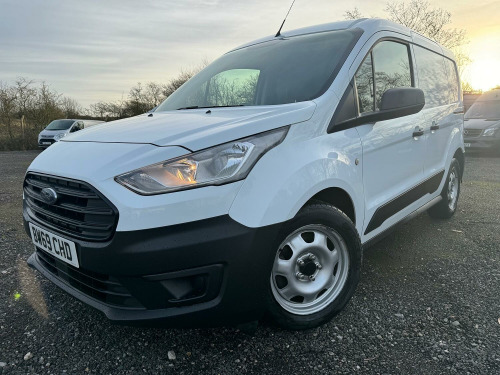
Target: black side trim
[
  {"x": 392, "y": 207},
  {"x": 372, "y": 241}
]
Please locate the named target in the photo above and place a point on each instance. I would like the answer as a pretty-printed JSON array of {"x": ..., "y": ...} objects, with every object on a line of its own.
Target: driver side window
[
  {"x": 387, "y": 66},
  {"x": 76, "y": 127}
]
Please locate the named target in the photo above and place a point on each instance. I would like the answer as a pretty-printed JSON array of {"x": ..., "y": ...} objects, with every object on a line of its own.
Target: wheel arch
[
  {"x": 289, "y": 176},
  {"x": 460, "y": 156},
  {"x": 338, "y": 198}
]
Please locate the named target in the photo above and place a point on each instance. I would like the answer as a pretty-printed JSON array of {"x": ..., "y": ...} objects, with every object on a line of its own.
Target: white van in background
[
  {"x": 255, "y": 186},
  {"x": 58, "y": 129}
]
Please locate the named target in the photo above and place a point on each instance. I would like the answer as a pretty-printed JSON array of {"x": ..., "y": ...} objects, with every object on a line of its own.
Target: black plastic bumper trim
[{"x": 235, "y": 260}]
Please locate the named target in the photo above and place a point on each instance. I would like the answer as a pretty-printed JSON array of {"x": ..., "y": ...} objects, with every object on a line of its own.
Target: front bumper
[
  {"x": 235, "y": 263},
  {"x": 45, "y": 142},
  {"x": 483, "y": 143}
]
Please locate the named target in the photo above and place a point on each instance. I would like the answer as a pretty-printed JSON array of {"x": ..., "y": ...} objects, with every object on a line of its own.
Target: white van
[
  {"x": 58, "y": 129},
  {"x": 254, "y": 188}
]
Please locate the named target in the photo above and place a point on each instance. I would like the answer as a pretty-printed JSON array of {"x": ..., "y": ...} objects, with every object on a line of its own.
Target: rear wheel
[
  {"x": 446, "y": 208},
  {"x": 316, "y": 268}
]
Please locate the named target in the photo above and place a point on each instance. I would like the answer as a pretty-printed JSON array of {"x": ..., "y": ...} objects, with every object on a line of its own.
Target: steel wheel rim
[
  {"x": 311, "y": 283},
  {"x": 453, "y": 183}
]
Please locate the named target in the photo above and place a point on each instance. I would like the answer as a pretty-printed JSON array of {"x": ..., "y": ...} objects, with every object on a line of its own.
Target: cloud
[{"x": 96, "y": 50}]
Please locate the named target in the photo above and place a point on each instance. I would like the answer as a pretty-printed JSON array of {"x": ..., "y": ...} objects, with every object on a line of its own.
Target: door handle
[
  {"x": 434, "y": 126},
  {"x": 418, "y": 132}
]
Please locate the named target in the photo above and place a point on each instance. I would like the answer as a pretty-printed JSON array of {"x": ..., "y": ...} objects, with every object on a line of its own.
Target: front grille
[
  {"x": 470, "y": 133},
  {"x": 80, "y": 211},
  {"x": 103, "y": 288}
]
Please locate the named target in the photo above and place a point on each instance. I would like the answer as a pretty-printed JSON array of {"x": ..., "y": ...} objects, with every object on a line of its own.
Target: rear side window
[
  {"x": 432, "y": 77},
  {"x": 389, "y": 63},
  {"x": 453, "y": 87}
]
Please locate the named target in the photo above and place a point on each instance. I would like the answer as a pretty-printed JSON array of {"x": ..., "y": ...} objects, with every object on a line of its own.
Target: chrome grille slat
[
  {"x": 72, "y": 207},
  {"x": 470, "y": 133},
  {"x": 63, "y": 190},
  {"x": 76, "y": 223}
]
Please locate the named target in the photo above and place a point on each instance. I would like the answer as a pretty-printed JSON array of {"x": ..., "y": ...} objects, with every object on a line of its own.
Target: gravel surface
[{"x": 428, "y": 302}]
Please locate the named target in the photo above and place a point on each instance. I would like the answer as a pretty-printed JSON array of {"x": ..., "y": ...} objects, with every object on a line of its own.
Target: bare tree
[
  {"x": 26, "y": 95},
  {"x": 99, "y": 109},
  {"x": 462, "y": 59},
  {"x": 420, "y": 17},
  {"x": 467, "y": 88},
  {"x": 7, "y": 107},
  {"x": 353, "y": 14},
  {"x": 176, "y": 82},
  {"x": 433, "y": 23},
  {"x": 70, "y": 107},
  {"x": 47, "y": 106},
  {"x": 181, "y": 78},
  {"x": 143, "y": 97},
  {"x": 153, "y": 94},
  {"x": 26, "y": 107}
]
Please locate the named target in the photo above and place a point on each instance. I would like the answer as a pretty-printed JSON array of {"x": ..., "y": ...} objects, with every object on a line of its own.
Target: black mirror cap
[
  {"x": 402, "y": 98},
  {"x": 396, "y": 103}
]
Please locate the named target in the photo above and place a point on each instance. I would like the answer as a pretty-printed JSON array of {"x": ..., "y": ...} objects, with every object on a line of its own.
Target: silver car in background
[
  {"x": 58, "y": 129},
  {"x": 482, "y": 123}
]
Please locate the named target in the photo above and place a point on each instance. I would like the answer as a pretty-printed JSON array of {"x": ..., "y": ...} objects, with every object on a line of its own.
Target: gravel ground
[{"x": 428, "y": 303}]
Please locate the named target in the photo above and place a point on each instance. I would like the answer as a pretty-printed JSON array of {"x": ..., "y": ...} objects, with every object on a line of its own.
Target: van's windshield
[
  {"x": 283, "y": 70},
  {"x": 59, "y": 125},
  {"x": 488, "y": 110}
]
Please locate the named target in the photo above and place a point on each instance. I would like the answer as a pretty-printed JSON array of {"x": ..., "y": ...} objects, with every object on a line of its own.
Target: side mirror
[
  {"x": 401, "y": 102},
  {"x": 398, "y": 102}
]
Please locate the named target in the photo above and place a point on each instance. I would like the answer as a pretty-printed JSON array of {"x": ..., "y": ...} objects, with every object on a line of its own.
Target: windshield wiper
[{"x": 211, "y": 106}]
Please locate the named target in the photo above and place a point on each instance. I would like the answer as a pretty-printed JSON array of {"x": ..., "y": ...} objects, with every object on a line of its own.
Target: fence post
[{"x": 22, "y": 128}]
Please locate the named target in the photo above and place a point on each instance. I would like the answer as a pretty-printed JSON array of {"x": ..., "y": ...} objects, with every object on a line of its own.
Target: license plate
[
  {"x": 55, "y": 245},
  {"x": 45, "y": 143},
  {"x": 467, "y": 144}
]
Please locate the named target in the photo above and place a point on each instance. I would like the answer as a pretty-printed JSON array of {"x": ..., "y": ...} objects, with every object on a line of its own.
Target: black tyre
[
  {"x": 451, "y": 191},
  {"x": 316, "y": 268}
]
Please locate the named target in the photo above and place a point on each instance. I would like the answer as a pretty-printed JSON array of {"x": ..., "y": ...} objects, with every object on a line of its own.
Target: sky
[{"x": 93, "y": 50}]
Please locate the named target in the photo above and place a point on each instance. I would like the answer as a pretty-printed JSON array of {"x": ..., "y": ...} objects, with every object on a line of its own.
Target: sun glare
[{"x": 484, "y": 74}]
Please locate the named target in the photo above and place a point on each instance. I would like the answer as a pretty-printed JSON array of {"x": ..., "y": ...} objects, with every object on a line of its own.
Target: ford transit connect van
[
  {"x": 482, "y": 122},
  {"x": 253, "y": 188},
  {"x": 58, "y": 129}
]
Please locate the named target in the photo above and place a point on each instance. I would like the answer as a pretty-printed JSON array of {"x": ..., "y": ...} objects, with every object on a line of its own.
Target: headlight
[
  {"x": 57, "y": 137},
  {"x": 490, "y": 132},
  {"x": 218, "y": 165}
]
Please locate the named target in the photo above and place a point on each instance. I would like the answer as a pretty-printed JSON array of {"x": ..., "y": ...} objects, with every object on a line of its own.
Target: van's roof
[
  {"x": 369, "y": 25},
  {"x": 76, "y": 119},
  {"x": 493, "y": 95}
]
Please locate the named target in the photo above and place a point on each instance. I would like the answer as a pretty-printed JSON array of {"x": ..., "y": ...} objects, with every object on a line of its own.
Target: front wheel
[
  {"x": 446, "y": 208},
  {"x": 316, "y": 268}
]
